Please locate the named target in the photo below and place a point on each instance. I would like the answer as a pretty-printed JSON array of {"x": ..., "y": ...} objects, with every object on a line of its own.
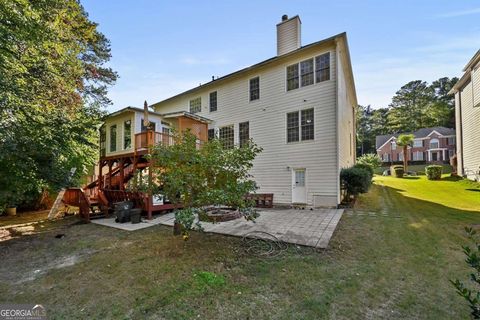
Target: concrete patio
[{"x": 312, "y": 228}]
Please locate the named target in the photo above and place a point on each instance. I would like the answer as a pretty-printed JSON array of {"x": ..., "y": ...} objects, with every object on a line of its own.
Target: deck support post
[
  {"x": 110, "y": 174},
  {"x": 122, "y": 174}
]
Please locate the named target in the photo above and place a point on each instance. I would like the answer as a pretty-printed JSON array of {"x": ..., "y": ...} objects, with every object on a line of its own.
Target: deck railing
[{"x": 143, "y": 140}]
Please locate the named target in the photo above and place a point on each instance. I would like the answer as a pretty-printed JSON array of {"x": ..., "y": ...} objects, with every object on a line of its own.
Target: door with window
[{"x": 299, "y": 190}]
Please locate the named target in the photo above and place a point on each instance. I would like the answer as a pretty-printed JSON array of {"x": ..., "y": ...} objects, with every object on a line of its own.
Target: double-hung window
[
  {"x": 306, "y": 72},
  {"x": 243, "y": 133},
  {"x": 300, "y": 125},
  {"x": 196, "y": 105},
  {"x": 255, "y": 88},
  {"x": 213, "y": 101},
  {"x": 292, "y": 77},
  {"x": 211, "y": 134},
  {"x": 322, "y": 67},
  {"x": 127, "y": 134},
  {"x": 226, "y": 136},
  {"x": 113, "y": 138}
]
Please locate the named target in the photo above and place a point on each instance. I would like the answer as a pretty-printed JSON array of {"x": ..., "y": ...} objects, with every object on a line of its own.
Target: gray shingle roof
[{"x": 420, "y": 133}]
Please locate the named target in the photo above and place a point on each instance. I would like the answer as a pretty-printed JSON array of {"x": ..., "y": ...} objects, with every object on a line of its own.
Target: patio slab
[{"x": 312, "y": 228}]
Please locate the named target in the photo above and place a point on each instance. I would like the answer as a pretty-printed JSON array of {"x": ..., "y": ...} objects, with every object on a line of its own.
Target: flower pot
[
  {"x": 12, "y": 211},
  {"x": 177, "y": 229}
]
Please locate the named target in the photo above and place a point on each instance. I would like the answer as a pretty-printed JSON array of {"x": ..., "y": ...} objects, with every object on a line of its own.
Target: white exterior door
[{"x": 299, "y": 191}]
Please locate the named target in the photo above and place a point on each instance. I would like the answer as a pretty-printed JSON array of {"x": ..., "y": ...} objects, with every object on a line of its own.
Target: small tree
[
  {"x": 472, "y": 296},
  {"x": 370, "y": 159},
  {"x": 197, "y": 176},
  {"x": 405, "y": 140}
]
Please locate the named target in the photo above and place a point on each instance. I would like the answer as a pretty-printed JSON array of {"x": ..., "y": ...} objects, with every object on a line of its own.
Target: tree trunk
[{"x": 405, "y": 161}]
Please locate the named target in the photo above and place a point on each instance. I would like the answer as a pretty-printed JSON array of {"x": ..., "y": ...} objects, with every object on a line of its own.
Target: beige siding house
[
  {"x": 298, "y": 106},
  {"x": 467, "y": 113}
]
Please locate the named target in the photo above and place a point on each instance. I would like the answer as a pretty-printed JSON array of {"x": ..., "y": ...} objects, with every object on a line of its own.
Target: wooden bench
[{"x": 262, "y": 200}]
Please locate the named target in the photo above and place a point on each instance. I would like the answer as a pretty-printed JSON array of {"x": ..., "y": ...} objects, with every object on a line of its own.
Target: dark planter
[
  {"x": 135, "y": 215},
  {"x": 122, "y": 216},
  {"x": 177, "y": 229}
]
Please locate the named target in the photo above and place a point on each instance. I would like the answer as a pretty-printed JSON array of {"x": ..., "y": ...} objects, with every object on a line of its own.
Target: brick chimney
[{"x": 288, "y": 34}]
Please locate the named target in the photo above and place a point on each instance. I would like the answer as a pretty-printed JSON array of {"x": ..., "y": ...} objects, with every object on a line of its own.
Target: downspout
[{"x": 461, "y": 132}]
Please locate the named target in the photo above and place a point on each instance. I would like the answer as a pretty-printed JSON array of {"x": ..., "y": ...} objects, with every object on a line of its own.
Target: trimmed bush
[
  {"x": 355, "y": 180},
  {"x": 433, "y": 172},
  {"x": 365, "y": 166},
  {"x": 370, "y": 159},
  {"x": 397, "y": 171}
]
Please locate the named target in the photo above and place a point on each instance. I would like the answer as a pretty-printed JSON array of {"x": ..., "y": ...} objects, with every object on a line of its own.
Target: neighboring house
[
  {"x": 431, "y": 145},
  {"x": 467, "y": 113},
  {"x": 298, "y": 106}
]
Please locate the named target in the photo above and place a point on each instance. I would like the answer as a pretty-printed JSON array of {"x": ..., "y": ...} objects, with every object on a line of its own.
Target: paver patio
[{"x": 312, "y": 228}]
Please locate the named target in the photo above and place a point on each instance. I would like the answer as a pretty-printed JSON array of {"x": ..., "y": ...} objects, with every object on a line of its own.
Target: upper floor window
[
  {"x": 394, "y": 145},
  {"x": 213, "y": 101},
  {"x": 292, "y": 77},
  {"x": 306, "y": 72},
  {"x": 451, "y": 141},
  {"x": 300, "y": 125},
  {"x": 434, "y": 144},
  {"x": 243, "y": 133},
  {"x": 255, "y": 88},
  {"x": 302, "y": 74},
  {"x": 226, "y": 136},
  {"x": 127, "y": 134},
  {"x": 322, "y": 67},
  {"x": 103, "y": 139},
  {"x": 144, "y": 128},
  {"x": 417, "y": 143},
  {"x": 196, "y": 105},
  {"x": 113, "y": 138}
]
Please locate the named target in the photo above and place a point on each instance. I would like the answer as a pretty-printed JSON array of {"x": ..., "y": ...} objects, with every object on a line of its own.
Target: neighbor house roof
[
  {"x": 420, "y": 133},
  {"x": 467, "y": 73},
  {"x": 333, "y": 39}
]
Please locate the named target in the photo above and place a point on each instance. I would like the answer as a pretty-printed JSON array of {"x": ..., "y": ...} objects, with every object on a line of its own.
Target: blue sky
[{"x": 161, "y": 48}]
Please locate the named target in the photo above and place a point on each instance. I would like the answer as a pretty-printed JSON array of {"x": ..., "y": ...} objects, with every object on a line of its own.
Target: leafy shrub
[
  {"x": 433, "y": 172},
  {"x": 370, "y": 159},
  {"x": 365, "y": 167},
  {"x": 355, "y": 180},
  {"x": 472, "y": 296},
  {"x": 397, "y": 171}
]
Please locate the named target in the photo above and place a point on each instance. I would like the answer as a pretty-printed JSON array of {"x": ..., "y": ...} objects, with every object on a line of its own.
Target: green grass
[{"x": 390, "y": 258}]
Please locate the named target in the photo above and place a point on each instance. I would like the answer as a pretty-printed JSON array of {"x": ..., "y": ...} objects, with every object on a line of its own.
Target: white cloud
[{"x": 459, "y": 13}]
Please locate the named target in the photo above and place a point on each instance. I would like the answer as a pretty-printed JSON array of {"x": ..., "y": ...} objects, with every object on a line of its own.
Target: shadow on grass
[
  {"x": 452, "y": 178},
  {"x": 474, "y": 190},
  {"x": 411, "y": 178}
]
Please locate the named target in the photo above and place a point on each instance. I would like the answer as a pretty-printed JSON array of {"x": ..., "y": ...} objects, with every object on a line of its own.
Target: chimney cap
[{"x": 284, "y": 17}]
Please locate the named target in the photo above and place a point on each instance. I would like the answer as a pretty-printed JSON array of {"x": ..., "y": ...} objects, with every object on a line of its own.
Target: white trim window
[
  {"x": 254, "y": 88},
  {"x": 434, "y": 143},
  {"x": 213, "y": 101},
  {"x": 451, "y": 141},
  {"x": 417, "y": 143},
  {"x": 227, "y": 136},
  {"x": 322, "y": 67},
  {"x": 127, "y": 134},
  {"x": 308, "y": 72},
  {"x": 417, "y": 156},
  {"x": 300, "y": 125},
  {"x": 196, "y": 105},
  {"x": 400, "y": 156},
  {"x": 394, "y": 145}
]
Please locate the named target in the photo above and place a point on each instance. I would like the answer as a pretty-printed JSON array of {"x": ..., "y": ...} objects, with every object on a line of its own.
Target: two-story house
[
  {"x": 431, "y": 145},
  {"x": 467, "y": 114},
  {"x": 299, "y": 106}
]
